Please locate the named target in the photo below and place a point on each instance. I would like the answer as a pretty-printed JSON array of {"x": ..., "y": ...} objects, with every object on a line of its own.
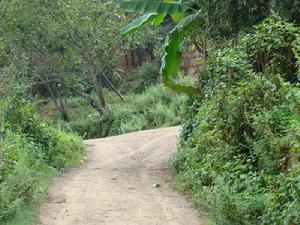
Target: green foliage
[
  {"x": 27, "y": 214},
  {"x": 273, "y": 47},
  {"x": 156, "y": 107},
  {"x": 68, "y": 150},
  {"x": 296, "y": 48},
  {"x": 239, "y": 154},
  {"x": 31, "y": 149},
  {"x": 20, "y": 116},
  {"x": 69, "y": 47}
]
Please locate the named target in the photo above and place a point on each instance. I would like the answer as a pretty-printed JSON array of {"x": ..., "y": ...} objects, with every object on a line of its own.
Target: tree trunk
[
  {"x": 140, "y": 55},
  {"x": 126, "y": 60},
  {"x": 97, "y": 85},
  {"x": 132, "y": 58},
  {"x": 64, "y": 109},
  {"x": 151, "y": 50},
  {"x": 61, "y": 104}
]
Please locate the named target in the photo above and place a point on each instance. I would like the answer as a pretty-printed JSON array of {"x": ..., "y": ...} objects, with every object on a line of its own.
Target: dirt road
[{"x": 116, "y": 185}]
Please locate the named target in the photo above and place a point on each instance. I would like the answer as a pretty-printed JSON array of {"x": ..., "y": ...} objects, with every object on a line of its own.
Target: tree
[
  {"x": 71, "y": 47},
  {"x": 89, "y": 32}
]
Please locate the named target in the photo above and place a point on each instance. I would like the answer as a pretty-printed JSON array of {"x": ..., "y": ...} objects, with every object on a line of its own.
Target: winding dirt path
[{"x": 115, "y": 185}]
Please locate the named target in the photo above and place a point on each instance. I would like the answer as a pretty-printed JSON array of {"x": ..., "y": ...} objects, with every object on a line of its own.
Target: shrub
[
  {"x": 20, "y": 116},
  {"x": 148, "y": 75},
  {"x": 135, "y": 123},
  {"x": 68, "y": 150}
]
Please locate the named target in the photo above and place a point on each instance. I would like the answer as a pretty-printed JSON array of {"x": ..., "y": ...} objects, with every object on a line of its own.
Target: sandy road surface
[{"x": 115, "y": 185}]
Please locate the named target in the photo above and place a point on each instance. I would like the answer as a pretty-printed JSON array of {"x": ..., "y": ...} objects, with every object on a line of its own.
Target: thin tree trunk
[
  {"x": 64, "y": 109},
  {"x": 139, "y": 54},
  {"x": 132, "y": 58},
  {"x": 126, "y": 60},
  {"x": 112, "y": 86},
  {"x": 152, "y": 57},
  {"x": 60, "y": 104},
  {"x": 97, "y": 86},
  {"x": 87, "y": 97}
]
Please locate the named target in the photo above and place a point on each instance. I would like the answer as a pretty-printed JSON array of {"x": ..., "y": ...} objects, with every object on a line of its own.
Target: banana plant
[{"x": 184, "y": 14}]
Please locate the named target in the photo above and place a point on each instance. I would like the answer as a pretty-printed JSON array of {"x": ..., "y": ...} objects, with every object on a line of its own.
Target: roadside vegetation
[
  {"x": 239, "y": 154},
  {"x": 32, "y": 153}
]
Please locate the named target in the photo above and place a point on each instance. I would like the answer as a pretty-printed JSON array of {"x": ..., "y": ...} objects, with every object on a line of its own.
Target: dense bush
[
  {"x": 240, "y": 152},
  {"x": 31, "y": 149},
  {"x": 154, "y": 108}
]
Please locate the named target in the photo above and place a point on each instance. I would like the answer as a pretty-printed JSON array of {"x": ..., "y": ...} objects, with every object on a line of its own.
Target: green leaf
[
  {"x": 150, "y": 6},
  {"x": 177, "y": 17},
  {"x": 138, "y": 23},
  {"x": 172, "y": 59},
  {"x": 159, "y": 19}
]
